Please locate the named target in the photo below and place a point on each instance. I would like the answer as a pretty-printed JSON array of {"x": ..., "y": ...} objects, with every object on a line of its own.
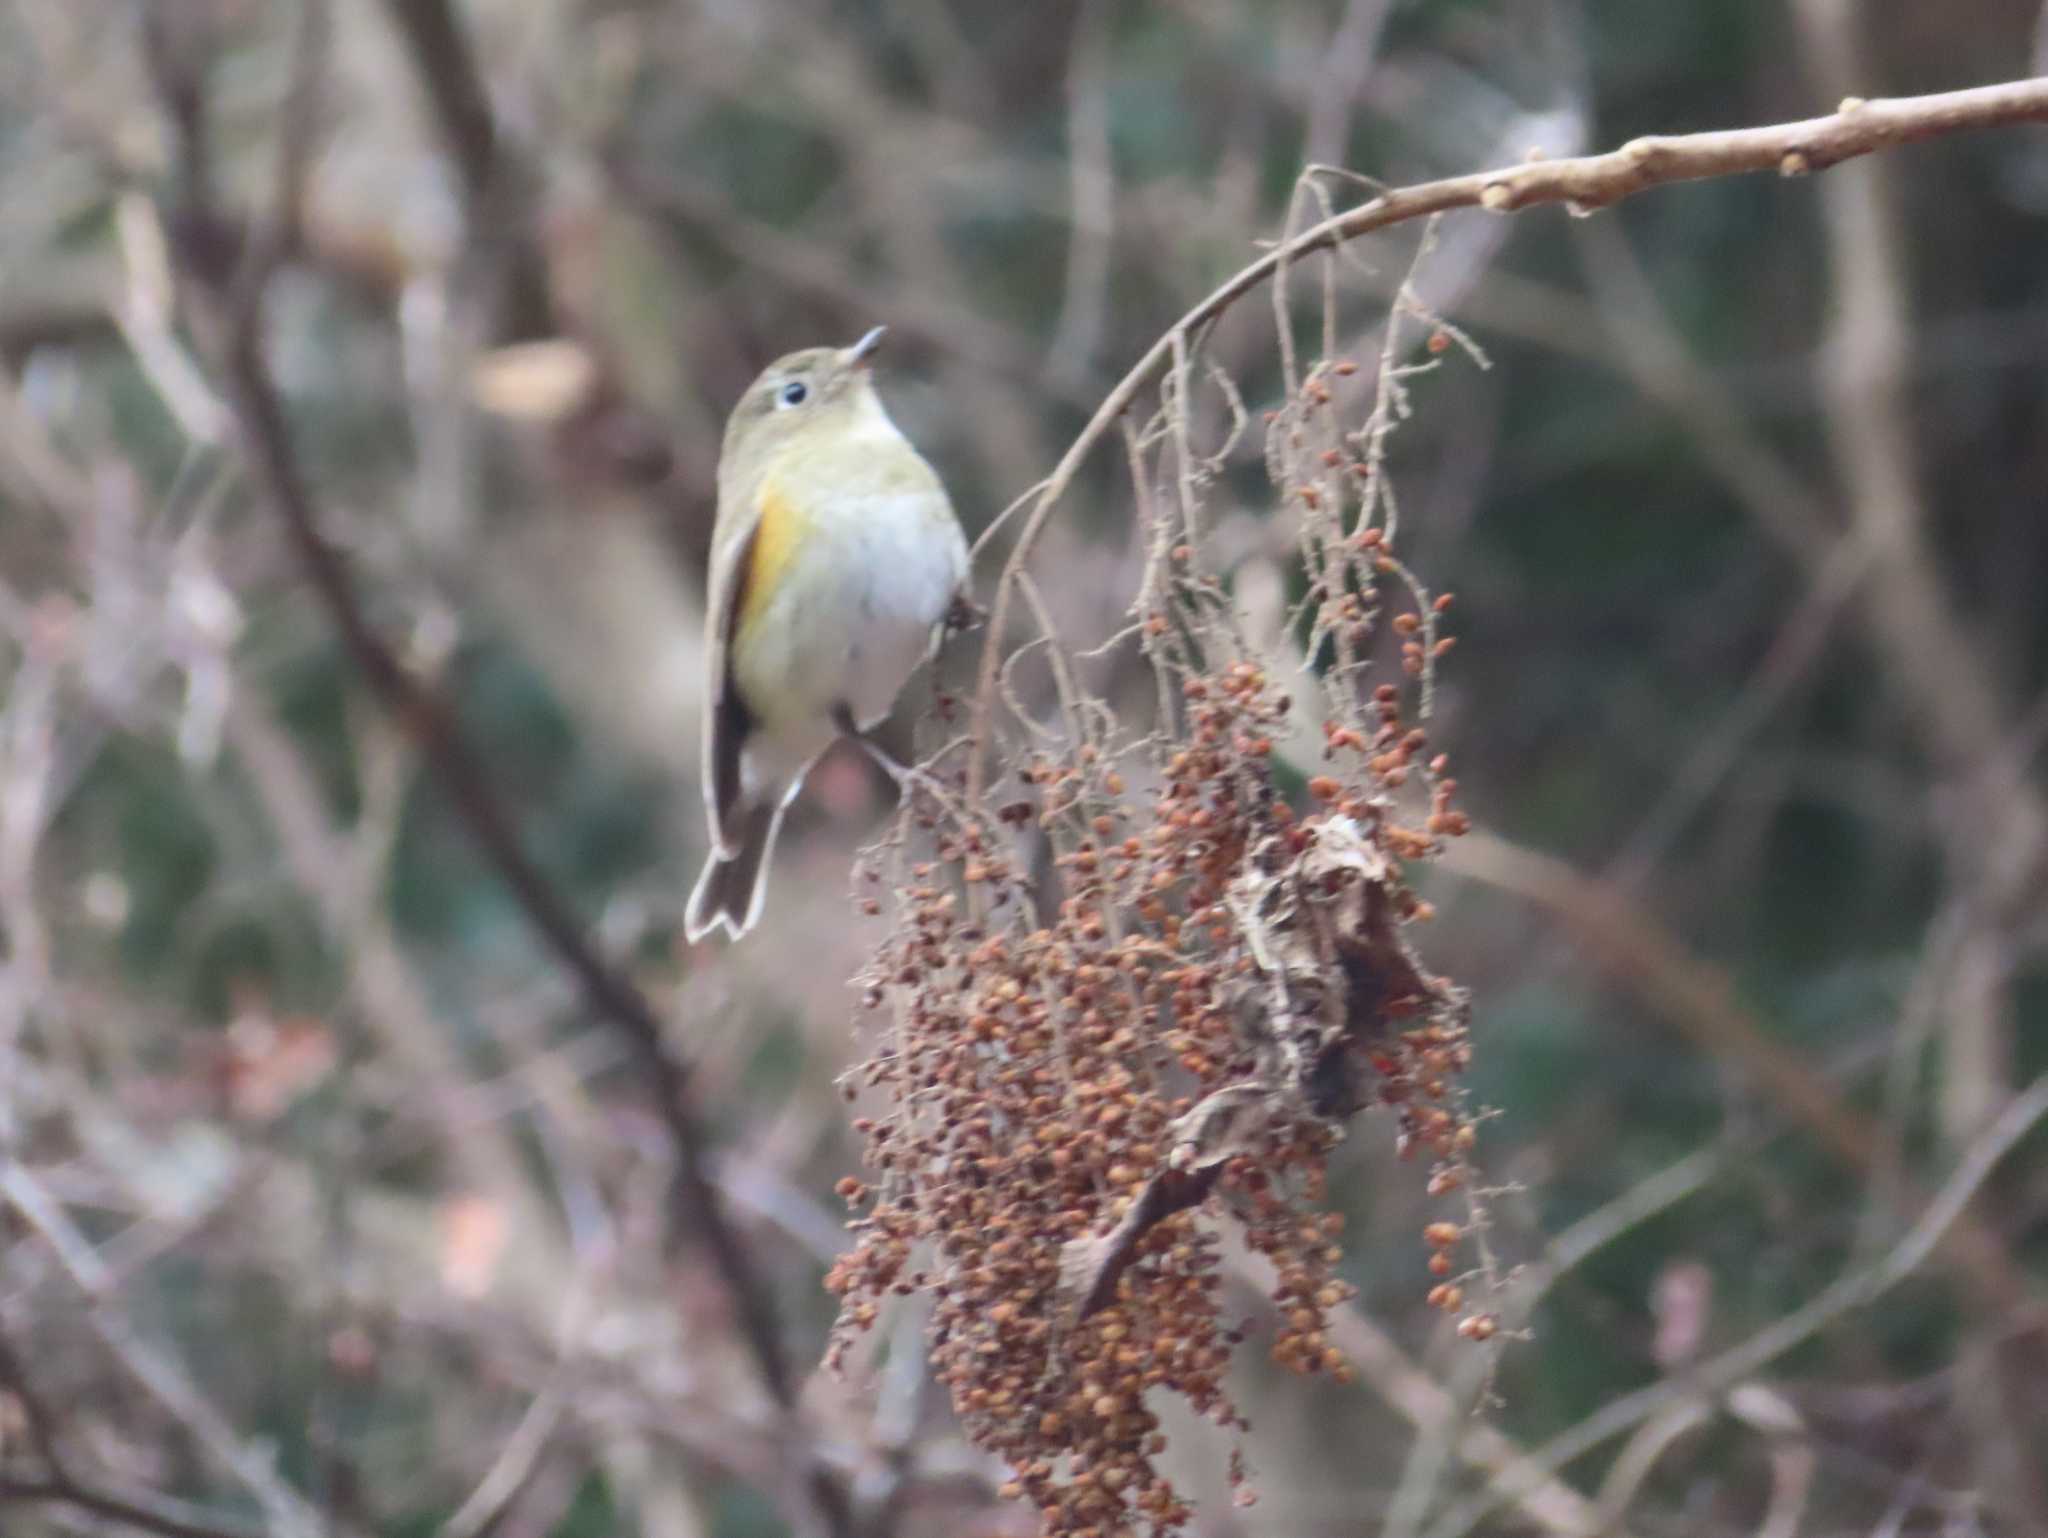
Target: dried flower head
[{"x": 1113, "y": 1018}]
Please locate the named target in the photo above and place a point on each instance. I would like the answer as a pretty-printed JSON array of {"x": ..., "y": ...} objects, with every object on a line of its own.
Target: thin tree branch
[
  {"x": 1857, "y": 1289},
  {"x": 1091, "y": 170},
  {"x": 495, "y": 189},
  {"x": 427, "y": 717},
  {"x": 1453, "y": 1428},
  {"x": 1585, "y": 182},
  {"x": 394, "y": 1002},
  {"x": 1952, "y": 692},
  {"x": 1439, "y": 1412},
  {"x": 679, "y": 205},
  {"x": 158, "y": 1371},
  {"x": 495, "y": 181},
  {"x": 1419, "y": 1397},
  {"x": 62, "y": 1489},
  {"x": 1696, "y": 998},
  {"x": 61, "y": 1485}
]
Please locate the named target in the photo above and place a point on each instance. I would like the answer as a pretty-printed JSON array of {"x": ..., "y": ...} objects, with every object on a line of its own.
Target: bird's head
[{"x": 803, "y": 396}]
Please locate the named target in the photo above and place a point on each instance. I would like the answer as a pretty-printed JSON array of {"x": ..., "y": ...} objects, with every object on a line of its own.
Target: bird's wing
[{"x": 726, "y": 718}]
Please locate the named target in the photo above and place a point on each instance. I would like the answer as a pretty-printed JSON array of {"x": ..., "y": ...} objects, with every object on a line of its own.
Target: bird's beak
[{"x": 860, "y": 352}]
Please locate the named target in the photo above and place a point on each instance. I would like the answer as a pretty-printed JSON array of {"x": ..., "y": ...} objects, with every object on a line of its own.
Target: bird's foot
[
  {"x": 906, "y": 776},
  {"x": 964, "y": 615}
]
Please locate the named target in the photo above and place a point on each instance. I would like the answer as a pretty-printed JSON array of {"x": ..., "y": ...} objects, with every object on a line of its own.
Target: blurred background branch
[{"x": 332, "y": 1200}]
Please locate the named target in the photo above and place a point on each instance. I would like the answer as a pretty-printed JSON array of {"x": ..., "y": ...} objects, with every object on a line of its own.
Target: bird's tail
[{"x": 730, "y": 890}]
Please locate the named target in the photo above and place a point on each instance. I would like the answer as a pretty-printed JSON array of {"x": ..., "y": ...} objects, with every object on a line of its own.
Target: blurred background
[{"x": 326, "y": 1201}]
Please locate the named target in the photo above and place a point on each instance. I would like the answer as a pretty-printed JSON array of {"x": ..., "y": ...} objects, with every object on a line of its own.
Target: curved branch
[
  {"x": 62, "y": 1490},
  {"x": 61, "y": 1484},
  {"x": 1583, "y": 183},
  {"x": 1854, "y": 1290},
  {"x": 1697, "y": 999}
]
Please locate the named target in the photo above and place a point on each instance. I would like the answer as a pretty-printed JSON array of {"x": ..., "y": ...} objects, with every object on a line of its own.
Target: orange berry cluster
[
  {"x": 1107, "y": 1022},
  {"x": 1040, "y": 1064}
]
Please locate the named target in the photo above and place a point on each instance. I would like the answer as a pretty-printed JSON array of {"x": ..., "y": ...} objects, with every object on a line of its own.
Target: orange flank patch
[{"x": 774, "y": 546}]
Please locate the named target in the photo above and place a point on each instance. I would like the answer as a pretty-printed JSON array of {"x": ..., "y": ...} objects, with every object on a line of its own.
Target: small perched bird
[{"x": 834, "y": 559}]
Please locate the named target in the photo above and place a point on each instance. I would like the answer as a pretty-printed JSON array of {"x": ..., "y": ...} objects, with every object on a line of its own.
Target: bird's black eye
[{"x": 792, "y": 394}]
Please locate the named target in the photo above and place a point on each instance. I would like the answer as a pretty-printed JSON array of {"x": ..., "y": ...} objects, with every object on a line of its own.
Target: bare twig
[
  {"x": 1583, "y": 183},
  {"x": 1085, "y": 293},
  {"x": 677, "y": 203},
  {"x": 1347, "y": 61},
  {"x": 382, "y": 981},
  {"x": 1858, "y": 1289},
  {"x": 157, "y": 1371},
  {"x": 1950, "y": 689},
  {"x": 1438, "y": 1413},
  {"x": 1794, "y": 652},
  {"x": 511, "y": 1470},
  {"x": 495, "y": 181},
  {"x": 149, "y": 1515},
  {"x": 1420, "y": 1398},
  {"x": 1640, "y": 1453},
  {"x": 442, "y": 54},
  {"x": 62, "y": 1485},
  {"x": 1451, "y": 1430},
  {"x": 428, "y": 718},
  {"x": 1696, "y": 998}
]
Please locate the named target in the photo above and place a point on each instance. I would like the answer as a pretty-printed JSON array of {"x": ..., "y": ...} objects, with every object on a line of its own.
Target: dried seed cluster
[
  {"x": 1045, "y": 1080},
  {"x": 1075, "y": 1094}
]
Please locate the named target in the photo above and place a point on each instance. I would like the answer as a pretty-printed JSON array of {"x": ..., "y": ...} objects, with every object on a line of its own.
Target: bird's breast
[{"x": 844, "y": 590}]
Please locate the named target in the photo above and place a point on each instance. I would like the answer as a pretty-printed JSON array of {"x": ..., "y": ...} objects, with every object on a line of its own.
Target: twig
[
  {"x": 1583, "y": 183},
  {"x": 393, "y": 1001},
  {"x": 684, "y": 208},
  {"x": 1092, "y": 173},
  {"x": 1858, "y": 1289},
  {"x": 151, "y": 1518},
  {"x": 1420, "y": 1398},
  {"x": 159, "y": 1373},
  {"x": 62, "y": 1485},
  {"x": 511, "y": 1469},
  {"x": 1637, "y": 336},
  {"x": 1450, "y": 1429},
  {"x": 426, "y": 716},
  {"x": 1640, "y": 1453},
  {"x": 1786, "y": 665},
  {"x": 1950, "y": 691},
  {"x": 1695, "y": 997},
  {"x": 448, "y": 69},
  {"x": 494, "y": 178},
  {"x": 143, "y": 314},
  {"x": 1348, "y": 59}
]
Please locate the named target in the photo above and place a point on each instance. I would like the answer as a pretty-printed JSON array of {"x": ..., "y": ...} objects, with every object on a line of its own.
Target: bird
[{"x": 836, "y": 558}]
